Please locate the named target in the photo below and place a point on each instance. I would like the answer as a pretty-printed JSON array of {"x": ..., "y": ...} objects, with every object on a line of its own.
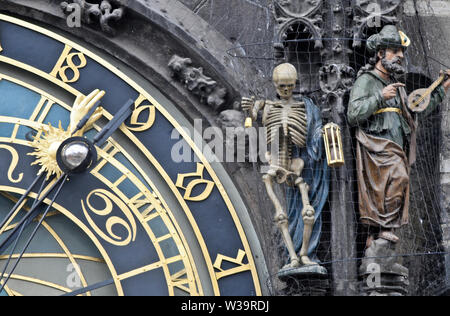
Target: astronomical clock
[{"x": 92, "y": 202}]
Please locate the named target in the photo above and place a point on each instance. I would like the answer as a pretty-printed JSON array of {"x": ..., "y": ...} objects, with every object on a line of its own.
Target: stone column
[{"x": 336, "y": 80}]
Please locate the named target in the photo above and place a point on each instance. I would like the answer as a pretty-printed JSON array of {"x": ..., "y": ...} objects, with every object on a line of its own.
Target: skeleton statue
[{"x": 291, "y": 127}]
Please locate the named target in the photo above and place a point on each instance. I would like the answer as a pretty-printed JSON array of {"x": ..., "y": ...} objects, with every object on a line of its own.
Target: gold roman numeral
[
  {"x": 146, "y": 203},
  {"x": 39, "y": 114},
  {"x": 109, "y": 149},
  {"x": 42, "y": 109},
  {"x": 180, "y": 281},
  {"x": 241, "y": 267}
]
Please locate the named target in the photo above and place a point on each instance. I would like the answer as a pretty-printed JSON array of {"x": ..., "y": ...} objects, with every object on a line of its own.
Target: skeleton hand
[
  {"x": 248, "y": 105},
  {"x": 81, "y": 107}
]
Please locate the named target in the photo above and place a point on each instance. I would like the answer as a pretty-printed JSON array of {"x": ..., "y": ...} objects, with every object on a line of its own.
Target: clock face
[{"x": 135, "y": 223}]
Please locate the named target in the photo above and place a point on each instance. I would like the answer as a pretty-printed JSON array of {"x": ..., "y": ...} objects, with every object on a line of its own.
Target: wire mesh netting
[{"x": 421, "y": 247}]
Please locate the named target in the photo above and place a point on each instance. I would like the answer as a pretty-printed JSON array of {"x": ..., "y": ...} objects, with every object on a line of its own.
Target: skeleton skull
[{"x": 285, "y": 78}]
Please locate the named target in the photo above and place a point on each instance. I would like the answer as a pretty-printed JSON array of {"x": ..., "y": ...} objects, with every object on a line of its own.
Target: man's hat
[{"x": 389, "y": 37}]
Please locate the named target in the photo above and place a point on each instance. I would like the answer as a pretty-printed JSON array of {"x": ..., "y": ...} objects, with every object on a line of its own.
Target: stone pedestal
[
  {"x": 305, "y": 281},
  {"x": 381, "y": 271}
]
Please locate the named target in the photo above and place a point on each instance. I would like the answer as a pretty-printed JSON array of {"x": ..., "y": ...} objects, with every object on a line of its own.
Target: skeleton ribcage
[{"x": 287, "y": 121}]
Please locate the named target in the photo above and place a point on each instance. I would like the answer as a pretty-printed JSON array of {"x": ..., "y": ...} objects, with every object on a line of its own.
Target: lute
[{"x": 419, "y": 100}]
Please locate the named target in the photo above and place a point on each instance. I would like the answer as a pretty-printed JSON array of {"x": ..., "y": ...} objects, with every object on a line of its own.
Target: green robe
[{"x": 366, "y": 98}]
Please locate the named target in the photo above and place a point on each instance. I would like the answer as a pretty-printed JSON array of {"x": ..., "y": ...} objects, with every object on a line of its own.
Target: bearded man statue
[{"x": 386, "y": 136}]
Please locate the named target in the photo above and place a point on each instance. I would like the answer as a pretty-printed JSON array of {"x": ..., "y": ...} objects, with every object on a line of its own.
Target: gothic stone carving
[
  {"x": 289, "y": 13},
  {"x": 373, "y": 14},
  {"x": 105, "y": 13},
  {"x": 195, "y": 81}
]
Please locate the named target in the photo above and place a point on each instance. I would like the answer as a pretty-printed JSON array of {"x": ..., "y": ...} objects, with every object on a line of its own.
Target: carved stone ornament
[
  {"x": 336, "y": 76},
  {"x": 104, "y": 13},
  {"x": 195, "y": 81}
]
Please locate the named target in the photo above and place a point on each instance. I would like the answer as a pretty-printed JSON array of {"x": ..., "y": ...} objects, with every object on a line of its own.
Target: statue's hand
[
  {"x": 447, "y": 82},
  {"x": 390, "y": 91}
]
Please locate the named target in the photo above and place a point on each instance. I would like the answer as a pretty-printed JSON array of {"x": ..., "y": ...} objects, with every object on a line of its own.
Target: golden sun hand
[{"x": 81, "y": 107}]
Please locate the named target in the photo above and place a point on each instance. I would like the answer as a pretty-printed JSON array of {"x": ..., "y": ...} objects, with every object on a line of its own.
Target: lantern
[
  {"x": 333, "y": 145},
  {"x": 248, "y": 122}
]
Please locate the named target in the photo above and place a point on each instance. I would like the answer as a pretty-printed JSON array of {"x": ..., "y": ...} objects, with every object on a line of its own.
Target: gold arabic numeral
[
  {"x": 13, "y": 164},
  {"x": 67, "y": 62},
  {"x": 143, "y": 116},
  {"x": 110, "y": 200},
  {"x": 241, "y": 267},
  {"x": 209, "y": 185},
  {"x": 145, "y": 204}
]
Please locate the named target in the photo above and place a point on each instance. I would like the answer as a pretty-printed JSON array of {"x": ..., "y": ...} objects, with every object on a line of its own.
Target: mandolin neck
[{"x": 437, "y": 82}]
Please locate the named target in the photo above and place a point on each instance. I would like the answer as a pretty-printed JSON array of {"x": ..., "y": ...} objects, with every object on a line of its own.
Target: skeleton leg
[
  {"x": 282, "y": 221},
  {"x": 308, "y": 214}
]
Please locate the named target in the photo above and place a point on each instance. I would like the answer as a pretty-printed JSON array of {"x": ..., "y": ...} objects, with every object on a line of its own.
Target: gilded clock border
[
  {"x": 162, "y": 110},
  {"x": 149, "y": 156}
]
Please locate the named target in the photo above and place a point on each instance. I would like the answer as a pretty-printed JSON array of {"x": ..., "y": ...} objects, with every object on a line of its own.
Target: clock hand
[
  {"x": 20, "y": 233},
  {"x": 63, "y": 178},
  {"x": 19, "y": 202},
  {"x": 124, "y": 112},
  {"x": 92, "y": 101},
  {"x": 9, "y": 238},
  {"x": 87, "y": 105},
  {"x": 86, "y": 118},
  {"x": 99, "y": 139}
]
